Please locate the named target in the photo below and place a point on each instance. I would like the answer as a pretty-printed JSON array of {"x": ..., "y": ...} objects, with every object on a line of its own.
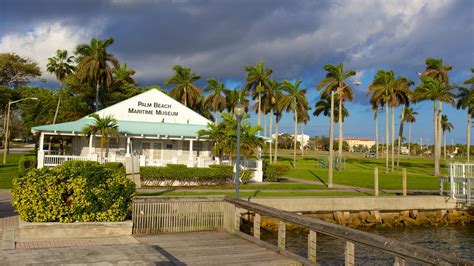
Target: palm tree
[
  {"x": 303, "y": 119},
  {"x": 216, "y": 101},
  {"x": 409, "y": 117},
  {"x": 446, "y": 126},
  {"x": 201, "y": 108},
  {"x": 402, "y": 88},
  {"x": 185, "y": 91},
  {"x": 335, "y": 82},
  {"x": 269, "y": 101},
  {"x": 123, "y": 76},
  {"x": 258, "y": 80},
  {"x": 278, "y": 114},
  {"x": 376, "y": 119},
  {"x": 294, "y": 100},
  {"x": 466, "y": 101},
  {"x": 61, "y": 65},
  {"x": 105, "y": 127},
  {"x": 434, "y": 90},
  {"x": 93, "y": 64},
  {"x": 323, "y": 107},
  {"x": 381, "y": 89},
  {"x": 232, "y": 97}
]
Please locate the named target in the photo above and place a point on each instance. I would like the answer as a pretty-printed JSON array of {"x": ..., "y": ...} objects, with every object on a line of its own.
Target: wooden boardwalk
[{"x": 212, "y": 248}]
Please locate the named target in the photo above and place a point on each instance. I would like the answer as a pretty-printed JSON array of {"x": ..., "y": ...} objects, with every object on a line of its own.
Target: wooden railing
[{"x": 158, "y": 214}]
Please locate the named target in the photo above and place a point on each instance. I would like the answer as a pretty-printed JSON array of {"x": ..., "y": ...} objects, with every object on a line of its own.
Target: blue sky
[{"x": 295, "y": 38}]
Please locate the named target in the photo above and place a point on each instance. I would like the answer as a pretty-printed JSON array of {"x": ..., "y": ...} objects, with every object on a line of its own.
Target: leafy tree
[
  {"x": 466, "y": 101},
  {"x": 185, "y": 91},
  {"x": 294, "y": 100},
  {"x": 216, "y": 100},
  {"x": 232, "y": 97},
  {"x": 122, "y": 76},
  {"x": 16, "y": 70},
  {"x": 105, "y": 127},
  {"x": 94, "y": 65},
  {"x": 335, "y": 81},
  {"x": 409, "y": 117},
  {"x": 446, "y": 126},
  {"x": 436, "y": 91},
  {"x": 258, "y": 80}
]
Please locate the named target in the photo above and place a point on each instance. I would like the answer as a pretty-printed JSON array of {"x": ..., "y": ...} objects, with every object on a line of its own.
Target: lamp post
[
  {"x": 5, "y": 143},
  {"x": 239, "y": 112}
]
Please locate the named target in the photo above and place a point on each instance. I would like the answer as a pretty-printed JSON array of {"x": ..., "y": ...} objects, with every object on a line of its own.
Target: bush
[
  {"x": 26, "y": 163},
  {"x": 202, "y": 176},
  {"x": 115, "y": 166},
  {"x": 272, "y": 172},
  {"x": 74, "y": 191}
]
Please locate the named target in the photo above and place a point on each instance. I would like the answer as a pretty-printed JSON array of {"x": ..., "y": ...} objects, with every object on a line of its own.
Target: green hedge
[
  {"x": 26, "y": 163},
  {"x": 74, "y": 191},
  {"x": 273, "y": 173},
  {"x": 216, "y": 174}
]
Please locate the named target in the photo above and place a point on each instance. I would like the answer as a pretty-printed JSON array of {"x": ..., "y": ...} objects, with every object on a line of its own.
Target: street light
[
  {"x": 5, "y": 143},
  {"x": 239, "y": 112}
]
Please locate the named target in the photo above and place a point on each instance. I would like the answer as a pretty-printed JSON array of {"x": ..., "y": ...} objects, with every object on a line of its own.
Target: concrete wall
[{"x": 386, "y": 203}]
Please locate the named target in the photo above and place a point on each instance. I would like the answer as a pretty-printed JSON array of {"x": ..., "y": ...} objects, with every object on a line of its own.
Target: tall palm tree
[
  {"x": 303, "y": 119},
  {"x": 269, "y": 102},
  {"x": 376, "y": 120},
  {"x": 335, "y": 81},
  {"x": 106, "y": 127},
  {"x": 232, "y": 97},
  {"x": 323, "y": 107},
  {"x": 185, "y": 91},
  {"x": 294, "y": 100},
  {"x": 402, "y": 88},
  {"x": 278, "y": 111},
  {"x": 409, "y": 117},
  {"x": 380, "y": 90},
  {"x": 93, "y": 65},
  {"x": 258, "y": 80},
  {"x": 216, "y": 99},
  {"x": 446, "y": 126},
  {"x": 466, "y": 101},
  {"x": 436, "y": 91},
  {"x": 61, "y": 65},
  {"x": 436, "y": 70}
]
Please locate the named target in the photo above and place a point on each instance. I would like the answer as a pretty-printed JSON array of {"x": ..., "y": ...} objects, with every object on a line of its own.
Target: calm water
[{"x": 456, "y": 239}]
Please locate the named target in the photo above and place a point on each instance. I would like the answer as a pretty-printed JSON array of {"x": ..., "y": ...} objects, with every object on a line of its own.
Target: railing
[
  {"x": 54, "y": 160},
  {"x": 460, "y": 183},
  {"x": 464, "y": 170},
  {"x": 154, "y": 214}
]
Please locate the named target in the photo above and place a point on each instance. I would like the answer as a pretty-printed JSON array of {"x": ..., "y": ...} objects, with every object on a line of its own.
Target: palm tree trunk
[
  {"x": 102, "y": 143},
  {"x": 55, "y": 117},
  {"x": 271, "y": 139},
  {"x": 387, "y": 139},
  {"x": 259, "y": 149},
  {"x": 97, "y": 96},
  {"x": 400, "y": 136},
  {"x": 331, "y": 142},
  {"x": 340, "y": 130},
  {"x": 276, "y": 139},
  {"x": 440, "y": 134},
  {"x": 376, "y": 134},
  {"x": 435, "y": 122},
  {"x": 264, "y": 125},
  {"x": 393, "y": 138},
  {"x": 468, "y": 141},
  {"x": 409, "y": 139},
  {"x": 302, "y": 139},
  {"x": 444, "y": 140},
  {"x": 295, "y": 136}
]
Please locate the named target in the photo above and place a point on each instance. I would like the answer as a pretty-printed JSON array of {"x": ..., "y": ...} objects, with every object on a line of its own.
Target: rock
[
  {"x": 413, "y": 214},
  {"x": 339, "y": 217}
]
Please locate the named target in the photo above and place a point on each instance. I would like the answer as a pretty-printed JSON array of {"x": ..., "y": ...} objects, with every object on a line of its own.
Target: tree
[
  {"x": 335, "y": 82},
  {"x": 201, "y": 108},
  {"x": 16, "y": 70},
  {"x": 278, "y": 111},
  {"x": 446, "y": 126},
  {"x": 323, "y": 107},
  {"x": 402, "y": 87},
  {"x": 232, "y": 97},
  {"x": 409, "y": 117},
  {"x": 376, "y": 109},
  {"x": 466, "y": 101},
  {"x": 258, "y": 80},
  {"x": 303, "y": 119},
  {"x": 436, "y": 91},
  {"x": 294, "y": 100},
  {"x": 185, "y": 91},
  {"x": 61, "y": 65},
  {"x": 122, "y": 76},
  {"x": 269, "y": 105},
  {"x": 105, "y": 127},
  {"x": 94, "y": 65},
  {"x": 216, "y": 100}
]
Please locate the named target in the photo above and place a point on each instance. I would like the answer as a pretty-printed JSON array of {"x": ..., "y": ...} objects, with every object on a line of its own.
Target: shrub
[
  {"x": 185, "y": 175},
  {"x": 115, "y": 166},
  {"x": 272, "y": 172},
  {"x": 74, "y": 191},
  {"x": 26, "y": 163},
  {"x": 245, "y": 176}
]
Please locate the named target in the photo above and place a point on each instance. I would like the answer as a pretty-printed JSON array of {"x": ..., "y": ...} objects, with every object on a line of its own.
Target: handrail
[{"x": 388, "y": 245}]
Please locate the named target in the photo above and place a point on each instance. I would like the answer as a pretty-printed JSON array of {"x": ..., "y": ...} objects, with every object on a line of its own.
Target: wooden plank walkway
[{"x": 212, "y": 248}]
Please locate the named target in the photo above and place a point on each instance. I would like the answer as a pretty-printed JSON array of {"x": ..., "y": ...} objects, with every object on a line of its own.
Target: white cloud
[{"x": 42, "y": 41}]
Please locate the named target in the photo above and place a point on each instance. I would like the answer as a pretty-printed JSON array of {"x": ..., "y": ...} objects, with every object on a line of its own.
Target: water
[{"x": 453, "y": 239}]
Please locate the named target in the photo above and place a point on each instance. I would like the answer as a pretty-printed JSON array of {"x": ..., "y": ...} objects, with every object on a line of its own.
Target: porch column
[
  {"x": 191, "y": 161},
  {"x": 128, "y": 147},
  {"x": 91, "y": 140},
  {"x": 41, "y": 151}
]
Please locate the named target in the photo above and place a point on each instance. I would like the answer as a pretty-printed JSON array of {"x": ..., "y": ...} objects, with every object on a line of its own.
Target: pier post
[
  {"x": 256, "y": 226},
  {"x": 282, "y": 235},
  {"x": 349, "y": 254},
  {"x": 312, "y": 245},
  {"x": 404, "y": 181},
  {"x": 399, "y": 261},
  {"x": 376, "y": 181},
  {"x": 237, "y": 217}
]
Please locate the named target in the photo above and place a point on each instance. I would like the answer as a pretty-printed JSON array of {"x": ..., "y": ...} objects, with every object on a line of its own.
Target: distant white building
[
  {"x": 301, "y": 138},
  {"x": 354, "y": 142}
]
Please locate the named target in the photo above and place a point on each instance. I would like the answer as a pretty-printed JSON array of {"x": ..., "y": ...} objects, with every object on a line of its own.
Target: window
[{"x": 169, "y": 146}]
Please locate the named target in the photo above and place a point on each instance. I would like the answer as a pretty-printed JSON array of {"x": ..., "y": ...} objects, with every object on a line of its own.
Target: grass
[
  {"x": 256, "y": 194},
  {"x": 266, "y": 186},
  {"x": 360, "y": 172},
  {"x": 9, "y": 170}
]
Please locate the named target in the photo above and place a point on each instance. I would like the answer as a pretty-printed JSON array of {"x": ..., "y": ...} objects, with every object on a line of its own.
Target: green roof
[{"x": 128, "y": 127}]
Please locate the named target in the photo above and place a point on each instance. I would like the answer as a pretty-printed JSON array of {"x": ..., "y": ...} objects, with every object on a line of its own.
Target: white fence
[{"x": 461, "y": 182}]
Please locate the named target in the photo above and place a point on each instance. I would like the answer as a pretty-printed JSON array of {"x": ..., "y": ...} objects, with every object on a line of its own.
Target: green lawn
[
  {"x": 266, "y": 186},
  {"x": 9, "y": 170},
  {"x": 256, "y": 194},
  {"x": 359, "y": 172}
]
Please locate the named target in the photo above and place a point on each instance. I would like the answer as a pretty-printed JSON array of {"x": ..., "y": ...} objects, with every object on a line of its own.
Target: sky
[{"x": 294, "y": 38}]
